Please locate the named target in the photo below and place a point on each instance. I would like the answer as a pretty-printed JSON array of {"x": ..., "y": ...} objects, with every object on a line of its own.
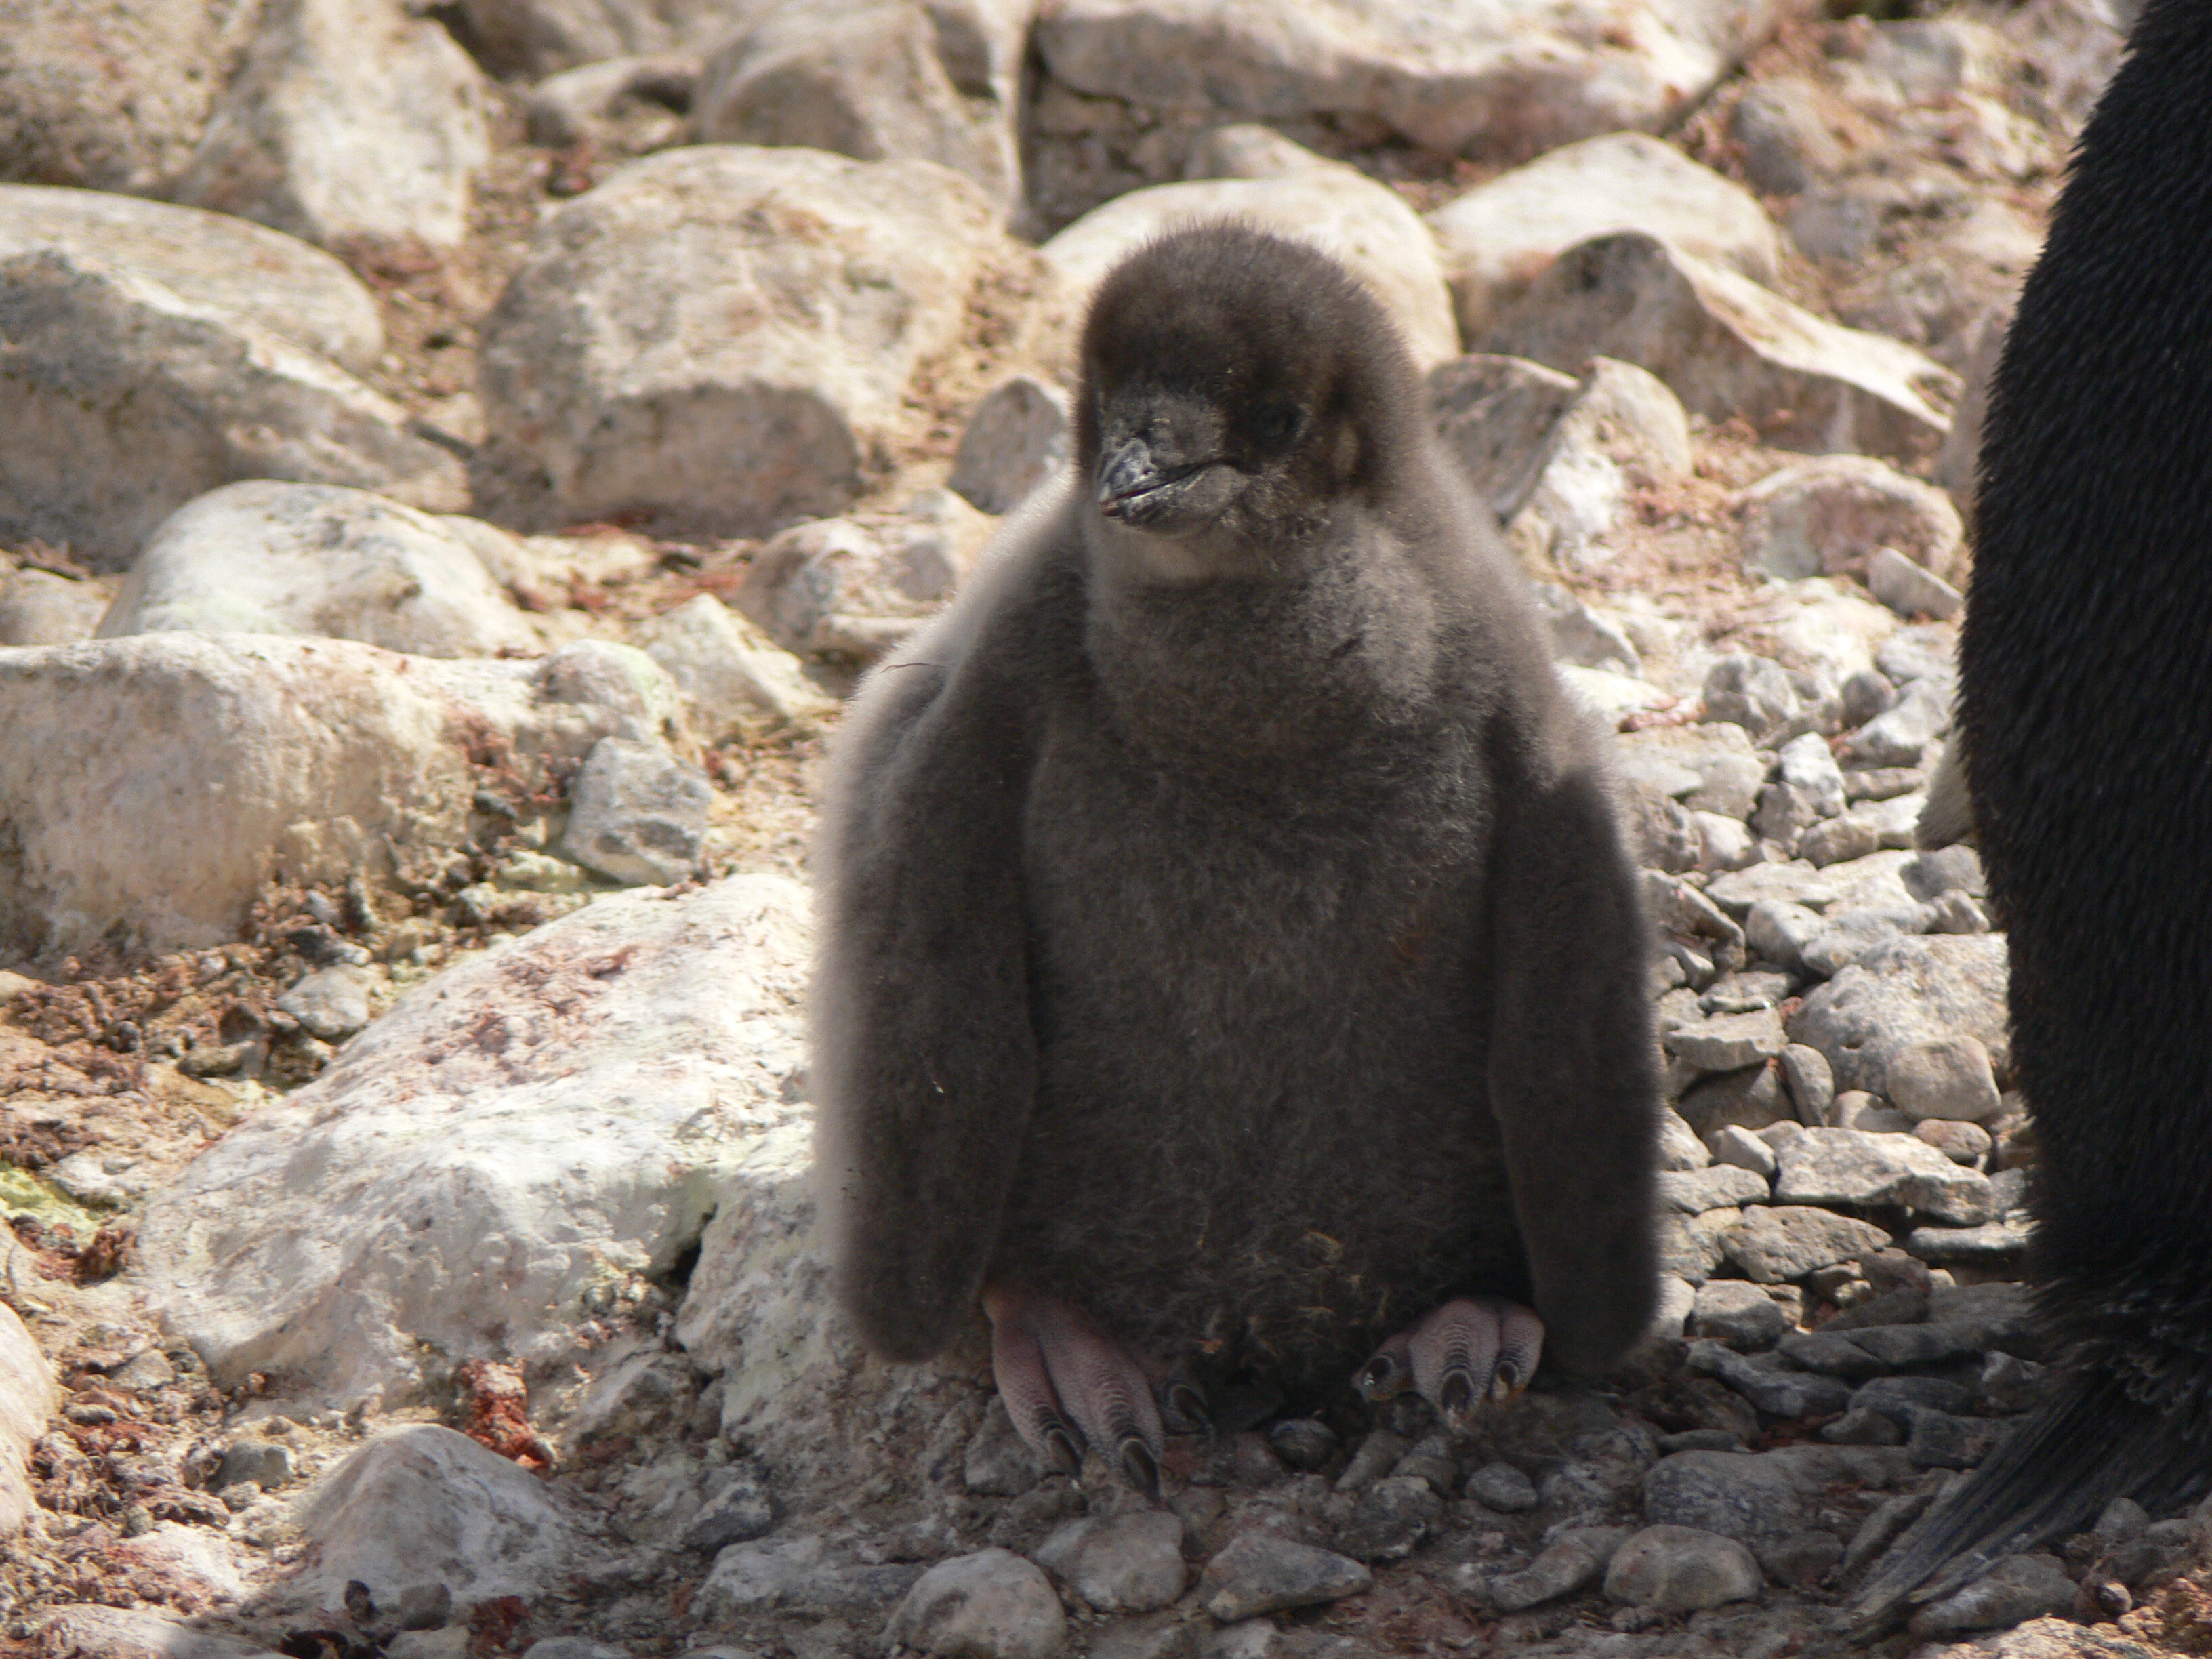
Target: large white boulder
[
  {"x": 121, "y": 399},
  {"x": 1491, "y": 77},
  {"x": 255, "y": 275},
  {"x": 351, "y": 121},
  {"x": 314, "y": 559},
  {"x": 542, "y": 1119},
  {"x": 721, "y": 336},
  {"x": 150, "y": 785}
]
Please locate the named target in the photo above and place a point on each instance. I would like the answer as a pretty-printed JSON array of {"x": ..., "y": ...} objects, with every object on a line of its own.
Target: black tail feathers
[{"x": 2085, "y": 1446}]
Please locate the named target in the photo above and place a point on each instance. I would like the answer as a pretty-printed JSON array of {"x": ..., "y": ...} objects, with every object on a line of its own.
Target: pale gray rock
[
  {"x": 741, "y": 1511},
  {"x": 803, "y": 1574},
  {"x": 1752, "y": 1097},
  {"x": 330, "y": 1002},
  {"x": 1947, "y": 1076},
  {"x": 1811, "y": 1082},
  {"x": 1808, "y": 765},
  {"x": 1869, "y": 1114},
  {"x": 1961, "y": 1142},
  {"x": 535, "y": 38},
  {"x": 1779, "y": 932},
  {"x": 1606, "y": 697},
  {"x": 1992, "y": 1245},
  {"x": 28, "y": 1396},
  {"x": 261, "y": 557},
  {"x": 849, "y": 590},
  {"x": 1693, "y": 1192},
  {"x": 1501, "y": 1487},
  {"x": 1624, "y": 432},
  {"x": 255, "y": 277},
  {"x": 1127, "y": 1563},
  {"x": 1690, "y": 1246},
  {"x": 1756, "y": 694},
  {"x": 1901, "y": 735},
  {"x": 1682, "y": 1570},
  {"x": 325, "y": 759},
  {"x": 1772, "y": 1389},
  {"x": 1778, "y": 1243},
  {"x": 1562, "y": 1567},
  {"x": 993, "y": 1605},
  {"x": 266, "y": 1463},
  {"x": 1390, "y": 1519},
  {"x": 1850, "y": 1167},
  {"x": 1499, "y": 237},
  {"x": 1366, "y": 225},
  {"x": 1727, "y": 347},
  {"x": 1738, "y": 1313},
  {"x": 1495, "y": 415},
  {"x": 1839, "y": 841},
  {"x": 1679, "y": 1147},
  {"x": 423, "y": 1504},
  {"x": 1488, "y": 79},
  {"x": 2019, "y": 1587},
  {"x": 1749, "y": 1498},
  {"x": 558, "y": 1108},
  {"x": 1728, "y": 1042},
  {"x": 637, "y": 814},
  {"x": 351, "y": 121},
  {"x": 1260, "y": 1572},
  {"x": 1901, "y": 992},
  {"x": 129, "y": 400},
  {"x": 1717, "y": 750},
  {"x": 1925, "y": 650},
  {"x": 1910, "y": 590},
  {"x": 1826, "y": 517},
  {"x": 1787, "y": 129},
  {"x": 1848, "y": 934},
  {"x": 1589, "y": 638},
  {"x": 127, "y": 1633},
  {"x": 37, "y": 607},
  {"x": 877, "y": 82},
  {"x": 1948, "y": 869},
  {"x": 1733, "y": 1144},
  {"x": 625, "y": 105},
  {"x": 1245, "y": 150},
  {"x": 1017, "y": 438},
  {"x": 733, "y": 677},
  {"x": 672, "y": 346}
]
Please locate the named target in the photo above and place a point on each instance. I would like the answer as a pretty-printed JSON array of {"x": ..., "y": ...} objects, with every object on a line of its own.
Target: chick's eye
[{"x": 1279, "y": 425}]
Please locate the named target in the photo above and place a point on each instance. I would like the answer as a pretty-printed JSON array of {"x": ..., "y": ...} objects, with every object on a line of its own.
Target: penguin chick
[{"x": 1228, "y": 965}]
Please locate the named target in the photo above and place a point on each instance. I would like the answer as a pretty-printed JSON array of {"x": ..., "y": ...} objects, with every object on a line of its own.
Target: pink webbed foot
[
  {"x": 1068, "y": 1384},
  {"x": 1468, "y": 1351}
]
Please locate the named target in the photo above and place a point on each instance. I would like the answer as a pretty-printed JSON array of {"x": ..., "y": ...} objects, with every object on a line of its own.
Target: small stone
[
  {"x": 2019, "y": 1587},
  {"x": 423, "y": 1607},
  {"x": 1778, "y": 1393},
  {"x": 1495, "y": 415},
  {"x": 267, "y": 1463},
  {"x": 1803, "y": 1559},
  {"x": 1260, "y": 1572},
  {"x": 1955, "y": 868},
  {"x": 1378, "y": 1453},
  {"x": 1947, "y": 1076},
  {"x": 330, "y": 1002},
  {"x": 1680, "y": 1570},
  {"x": 1563, "y": 1567},
  {"x": 998, "y": 1461},
  {"x": 1740, "y": 891},
  {"x": 1838, "y": 840},
  {"x": 1729, "y": 1042},
  {"x": 1753, "y": 692},
  {"x": 1920, "y": 1345},
  {"x": 1501, "y": 1487},
  {"x": 1961, "y": 1142},
  {"x": 1779, "y": 930},
  {"x": 1752, "y": 1097},
  {"x": 1739, "y": 1313},
  {"x": 1303, "y": 1442},
  {"x": 1869, "y": 1115},
  {"x": 1847, "y": 1166},
  {"x": 1391, "y": 1518},
  {"x": 1127, "y": 1563},
  {"x": 1901, "y": 735},
  {"x": 740, "y": 1511},
  {"x": 2010, "y": 1385},
  {"x": 991, "y": 1605},
  {"x": 1694, "y": 1192},
  {"x": 1739, "y": 1495},
  {"x": 637, "y": 814},
  {"x": 1830, "y": 1355},
  {"x": 1679, "y": 1148},
  {"x": 1690, "y": 1246},
  {"x": 1774, "y": 1245},
  {"x": 1430, "y": 1461},
  {"x": 732, "y": 675},
  {"x": 1810, "y": 1082},
  {"x": 1732, "y": 1144},
  {"x": 1863, "y": 1425},
  {"x": 1834, "y": 515},
  {"x": 1017, "y": 438},
  {"x": 1899, "y": 1397},
  {"x": 1910, "y": 589}
]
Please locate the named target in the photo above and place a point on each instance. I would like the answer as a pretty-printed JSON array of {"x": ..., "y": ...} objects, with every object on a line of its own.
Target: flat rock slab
[
  {"x": 542, "y": 1118},
  {"x": 255, "y": 275},
  {"x": 1366, "y": 225},
  {"x": 1262, "y": 1572},
  {"x": 1727, "y": 348},
  {"x": 718, "y": 335},
  {"x": 125, "y": 1633},
  {"x": 1504, "y": 78},
  {"x": 124, "y": 400},
  {"x": 1501, "y": 236},
  {"x": 156, "y": 782},
  {"x": 262, "y": 557},
  {"x": 423, "y": 1505}
]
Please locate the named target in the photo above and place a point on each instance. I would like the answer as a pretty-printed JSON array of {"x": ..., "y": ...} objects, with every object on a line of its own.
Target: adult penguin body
[
  {"x": 1231, "y": 963},
  {"x": 2086, "y": 731}
]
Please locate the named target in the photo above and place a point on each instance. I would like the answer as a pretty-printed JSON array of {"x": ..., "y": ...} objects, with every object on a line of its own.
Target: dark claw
[
  {"x": 1065, "y": 1451},
  {"x": 1182, "y": 1410},
  {"x": 1138, "y": 1466},
  {"x": 1456, "y": 1398},
  {"x": 1387, "y": 1374}
]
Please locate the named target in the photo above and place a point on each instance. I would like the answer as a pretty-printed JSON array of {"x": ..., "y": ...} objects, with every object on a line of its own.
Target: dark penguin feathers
[
  {"x": 1228, "y": 955},
  {"x": 2086, "y": 716}
]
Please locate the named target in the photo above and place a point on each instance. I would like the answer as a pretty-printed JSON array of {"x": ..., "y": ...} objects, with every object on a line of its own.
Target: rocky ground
[{"x": 455, "y": 461}]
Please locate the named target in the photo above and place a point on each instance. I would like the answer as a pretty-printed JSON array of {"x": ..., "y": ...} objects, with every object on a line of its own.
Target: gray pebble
[
  {"x": 1501, "y": 1487},
  {"x": 1811, "y": 1082},
  {"x": 264, "y": 1463},
  {"x": 1962, "y": 1142},
  {"x": 1573, "y": 1560},
  {"x": 1728, "y": 1041},
  {"x": 1882, "y": 1528},
  {"x": 637, "y": 814},
  {"x": 1899, "y": 1397},
  {"x": 1693, "y": 1192},
  {"x": 1431, "y": 1460},
  {"x": 1732, "y": 1144},
  {"x": 2009, "y": 1384},
  {"x": 1127, "y": 1563},
  {"x": 1803, "y": 1559},
  {"x": 1391, "y": 1518},
  {"x": 1262, "y": 1572},
  {"x": 331, "y": 1002},
  {"x": 1775, "y": 1243},
  {"x": 1377, "y": 1456},
  {"x": 2018, "y": 1589},
  {"x": 1945, "y": 1077},
  {"x": 991, "y": 1605},
  {"x": 1992, "y": 1244},
  {"x": 1680, "y": 1570},
  {"x": 1849, "y": 1167},
  {"x": 1736, "y": 1494},
  {"x": 1166, "y": 1636},
  {"x": 740, "y": 1511},
  {"x": 1739, "y": 1313},
  {"x": 1303, "y": 1442},
  {"x": 1778, "y": 1393},
  {"x": 1830, "y": 1355},
  {"x": 1861, "y": 1426}
]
